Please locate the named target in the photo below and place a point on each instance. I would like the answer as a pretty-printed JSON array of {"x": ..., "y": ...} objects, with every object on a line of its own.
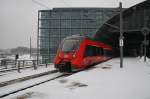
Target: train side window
[
  {"x": 108, "y": 53},
  {"x": 93, "y": 51},
  {"x": 101, "y": 52},
  {"x": 98, "y": 51},
  {"x": 89, "y": 51}
]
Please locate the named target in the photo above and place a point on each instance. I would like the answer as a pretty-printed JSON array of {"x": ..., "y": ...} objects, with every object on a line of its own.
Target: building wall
[{"x": 56, "y": 24}]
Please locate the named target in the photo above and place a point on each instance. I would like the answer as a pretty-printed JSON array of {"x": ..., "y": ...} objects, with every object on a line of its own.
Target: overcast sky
[{"x": 18, "y": 18}]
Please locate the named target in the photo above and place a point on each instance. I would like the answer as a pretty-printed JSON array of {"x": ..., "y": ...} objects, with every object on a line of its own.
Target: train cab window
[{"x": 70, "y": 45}]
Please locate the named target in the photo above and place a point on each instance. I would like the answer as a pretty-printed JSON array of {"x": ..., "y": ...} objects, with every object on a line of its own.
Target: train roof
[
  {"x": 79, "y": 37},
  {"x": 76, "y": 36}
]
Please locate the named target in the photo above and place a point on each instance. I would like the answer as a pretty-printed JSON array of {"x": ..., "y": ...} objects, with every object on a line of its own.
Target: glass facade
[{"x": 56, "y": 24}]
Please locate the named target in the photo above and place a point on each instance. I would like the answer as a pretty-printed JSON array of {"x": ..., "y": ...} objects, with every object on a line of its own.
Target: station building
[
  {"x": 136, "y": 30},
  {"x": 101, "y": 23},
  {"x": 56, "y": 24}
]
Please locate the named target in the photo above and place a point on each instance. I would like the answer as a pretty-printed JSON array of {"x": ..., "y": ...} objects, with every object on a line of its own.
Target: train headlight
[
  {"x": 73, "y": 55},
  {"x": 59, "y": 56}
]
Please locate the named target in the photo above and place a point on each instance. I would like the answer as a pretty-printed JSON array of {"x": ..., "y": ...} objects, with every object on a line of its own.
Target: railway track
[
  {"x": 5, "y": 83},
  {"x": 33, "y": 85}
]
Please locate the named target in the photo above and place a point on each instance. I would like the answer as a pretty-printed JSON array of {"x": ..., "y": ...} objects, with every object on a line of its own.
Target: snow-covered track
[
  {"x": 5, "y": 83},
  {"x": 24, "y": 88},
  {"x": 39, "y": 83}
]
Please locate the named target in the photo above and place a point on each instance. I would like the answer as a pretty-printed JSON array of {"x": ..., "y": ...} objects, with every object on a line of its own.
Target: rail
[{"x": 7, "y": 94}]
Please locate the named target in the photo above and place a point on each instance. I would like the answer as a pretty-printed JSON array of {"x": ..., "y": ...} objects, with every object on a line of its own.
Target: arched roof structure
[{"x": 135, "y": 19}]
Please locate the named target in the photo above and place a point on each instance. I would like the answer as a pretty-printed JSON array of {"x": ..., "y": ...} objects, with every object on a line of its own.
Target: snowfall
[{"x": 104, "y": 81}]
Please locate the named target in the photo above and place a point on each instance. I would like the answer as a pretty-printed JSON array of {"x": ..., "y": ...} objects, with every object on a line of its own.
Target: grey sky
[{"x": 18, "y": 19}]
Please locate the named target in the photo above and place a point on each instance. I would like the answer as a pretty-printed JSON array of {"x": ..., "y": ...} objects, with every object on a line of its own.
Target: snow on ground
[
  {"x": 25, "y": 57},
  {"x": 104, "y": 81},
  {"x": 24, "y": 84}
]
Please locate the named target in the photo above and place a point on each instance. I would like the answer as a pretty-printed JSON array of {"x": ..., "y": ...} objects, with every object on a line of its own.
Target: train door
[{"x": 87, "y": 55}]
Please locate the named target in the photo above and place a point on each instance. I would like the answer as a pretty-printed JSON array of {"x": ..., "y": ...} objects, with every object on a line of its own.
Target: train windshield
[{"x": 70, "y": 45}]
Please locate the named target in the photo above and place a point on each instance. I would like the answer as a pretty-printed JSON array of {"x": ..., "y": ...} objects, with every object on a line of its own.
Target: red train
[{"x": 79, "y": 52}]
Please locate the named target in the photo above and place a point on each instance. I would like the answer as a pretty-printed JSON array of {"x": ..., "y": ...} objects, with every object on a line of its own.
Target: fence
[{"x": 8, "y": 65}]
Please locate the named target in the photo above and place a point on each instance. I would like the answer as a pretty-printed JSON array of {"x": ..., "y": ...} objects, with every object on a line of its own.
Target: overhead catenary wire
[{"x": 41, "y": 4}]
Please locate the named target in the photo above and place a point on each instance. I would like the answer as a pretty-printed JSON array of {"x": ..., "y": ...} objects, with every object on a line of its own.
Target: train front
[{"x": 66, "y": 53}]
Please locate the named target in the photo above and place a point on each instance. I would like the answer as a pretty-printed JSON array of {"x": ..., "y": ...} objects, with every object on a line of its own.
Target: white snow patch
[
  {"x": 25, "y": 57},
  {"x": 105, "y": 81}
]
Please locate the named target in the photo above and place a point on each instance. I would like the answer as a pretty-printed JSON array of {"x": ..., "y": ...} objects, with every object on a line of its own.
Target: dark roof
[
  {"x": 79, "y": 9},
  {"x": 126, "y": 13}
]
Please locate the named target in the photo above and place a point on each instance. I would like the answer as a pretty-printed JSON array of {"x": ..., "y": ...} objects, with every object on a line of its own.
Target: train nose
[
  {"x": 66, "y": 56},
  {"x": 64, "y": 67}
]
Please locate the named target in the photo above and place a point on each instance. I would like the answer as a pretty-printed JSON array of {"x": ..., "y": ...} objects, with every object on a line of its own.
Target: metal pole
[
  {"x": 141, "y": 51},
  {"x": 49, "y": 47},
  {"x": 38, "y": 39},
  {"x": 145, "y": 25},
  {"x": 30, "y": 47},
  {"x": 47, "y": 60},
  {"x": 121, "y": 36},
  {"x": 19, "y": 66},
  {"x": 144, "y": 48},
  {"x": 34, "y": 65},
  {"x": 145, "y": 42}
]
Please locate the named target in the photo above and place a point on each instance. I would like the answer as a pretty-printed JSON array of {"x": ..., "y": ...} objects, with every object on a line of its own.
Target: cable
[{"x": 40, "y": 4}]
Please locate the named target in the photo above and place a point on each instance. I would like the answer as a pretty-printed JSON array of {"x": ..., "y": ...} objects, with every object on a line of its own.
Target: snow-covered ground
[
  {"x": 24, "y": 73},
  {"x": 104, "y": 81},
  {"x": 25, "y": 57},
  {"x": 13, "y": 87}
]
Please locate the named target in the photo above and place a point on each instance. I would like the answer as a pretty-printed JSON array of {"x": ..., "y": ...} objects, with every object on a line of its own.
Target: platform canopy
[{"x": 136, "y": 21}]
